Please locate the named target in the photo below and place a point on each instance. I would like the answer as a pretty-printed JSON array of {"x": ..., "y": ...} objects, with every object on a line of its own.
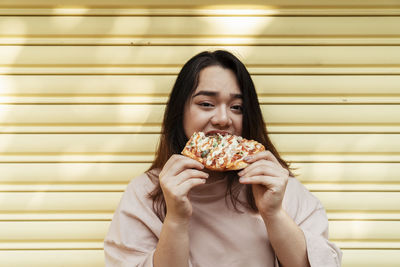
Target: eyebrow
[{"x": 212, "y": 93}]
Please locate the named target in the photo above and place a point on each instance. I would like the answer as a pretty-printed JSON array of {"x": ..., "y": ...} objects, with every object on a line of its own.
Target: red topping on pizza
[{"x": 221, "y": 152}]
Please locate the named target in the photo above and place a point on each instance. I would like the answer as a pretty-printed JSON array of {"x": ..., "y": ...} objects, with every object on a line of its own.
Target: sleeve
[
  {"x": 309, "y": 214},
  {"x": 134, "y": 230}
]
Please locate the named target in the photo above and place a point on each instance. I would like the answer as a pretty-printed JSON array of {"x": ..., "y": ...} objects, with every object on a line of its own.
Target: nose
[{"x": 221, "y": 117}]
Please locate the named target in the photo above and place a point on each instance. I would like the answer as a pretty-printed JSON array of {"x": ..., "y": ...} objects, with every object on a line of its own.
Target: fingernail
[
  {"x": 248, "y": 158},
  {"x": 240, "y": 173}
]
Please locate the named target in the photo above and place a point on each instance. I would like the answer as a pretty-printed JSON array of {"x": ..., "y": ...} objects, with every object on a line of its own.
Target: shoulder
[
  {"x": 295, "y": 190},
  {"x": 299, "y": 200},
  {"x": 141, "y": 181},
  {"x": 137, "y": 192},
  {"x": 134, "y": 218},
  {"x": 294, "y": 185},
  {"x": 144, "y": 183}
]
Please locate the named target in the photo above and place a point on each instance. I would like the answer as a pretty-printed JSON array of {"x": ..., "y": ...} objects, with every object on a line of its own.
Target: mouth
[{"x": 217, "y": 132}]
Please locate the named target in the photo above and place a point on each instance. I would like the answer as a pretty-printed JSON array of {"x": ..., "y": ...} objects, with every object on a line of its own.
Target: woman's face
[{"x": 216, "y": 104}]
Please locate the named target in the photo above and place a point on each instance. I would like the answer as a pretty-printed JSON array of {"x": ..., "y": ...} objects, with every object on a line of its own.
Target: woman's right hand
[{"x": 178, "y": 176}]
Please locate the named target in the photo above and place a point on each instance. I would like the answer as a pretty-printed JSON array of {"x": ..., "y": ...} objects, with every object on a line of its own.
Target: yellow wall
[{"x": 82, "y": 92}]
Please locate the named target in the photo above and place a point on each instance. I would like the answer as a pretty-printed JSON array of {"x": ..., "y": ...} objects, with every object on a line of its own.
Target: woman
[{"x": 180, "y": 214}]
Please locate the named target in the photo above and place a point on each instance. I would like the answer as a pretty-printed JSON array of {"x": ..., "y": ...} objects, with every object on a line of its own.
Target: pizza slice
[{"x": 221, "y": 152}]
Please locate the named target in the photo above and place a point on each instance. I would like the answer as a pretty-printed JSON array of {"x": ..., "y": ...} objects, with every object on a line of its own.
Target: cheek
[
  {"x": 186, "y": 121},
  {"x": 195, "y": 119},
  {"x": 238, "y": 124},
  {"x": 191, "y": 121}
]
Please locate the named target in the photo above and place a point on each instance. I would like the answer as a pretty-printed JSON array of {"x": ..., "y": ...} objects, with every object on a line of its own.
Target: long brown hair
[{"x": 173, "y": 138}]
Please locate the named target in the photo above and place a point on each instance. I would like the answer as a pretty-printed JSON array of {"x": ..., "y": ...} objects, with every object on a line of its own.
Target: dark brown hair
[{"x": 173, "y": 138}]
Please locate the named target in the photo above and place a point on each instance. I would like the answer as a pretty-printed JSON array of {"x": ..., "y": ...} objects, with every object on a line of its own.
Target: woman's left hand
[{"x": 268, "y": 179}]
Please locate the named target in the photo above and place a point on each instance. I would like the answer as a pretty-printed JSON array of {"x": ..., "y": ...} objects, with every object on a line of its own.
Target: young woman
[{"x": 179, "y": 214}]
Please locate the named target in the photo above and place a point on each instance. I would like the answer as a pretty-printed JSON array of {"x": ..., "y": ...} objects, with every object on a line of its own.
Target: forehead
[{"x": 216, "y": 78}]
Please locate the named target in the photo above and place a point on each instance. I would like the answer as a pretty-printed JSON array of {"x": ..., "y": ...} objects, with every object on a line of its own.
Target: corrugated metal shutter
[{"x": 82, "y": 91}]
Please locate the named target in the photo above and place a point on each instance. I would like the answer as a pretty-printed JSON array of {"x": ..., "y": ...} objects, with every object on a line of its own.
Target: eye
[
  {"x": 237, "y": 107},
  {"x": 205, "y": 104}
]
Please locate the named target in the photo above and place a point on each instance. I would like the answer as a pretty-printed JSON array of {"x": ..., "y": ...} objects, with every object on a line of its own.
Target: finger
[
  {"x": 174, "y": 180},
  {"x": 190, "y": 174},
  {"x": 168, "y": 165},
  {"x": 256, "y": 164},
  {"x": 263, "y": 170},
  {"x": 178, "y": 164},
  {"x": 267, "y": 181},
  {"x": 266, "y": 154},
  {"x": 171, "y": 184},
  {"x": 172, "y": 161},
  {"x": 186, "y": 186}
]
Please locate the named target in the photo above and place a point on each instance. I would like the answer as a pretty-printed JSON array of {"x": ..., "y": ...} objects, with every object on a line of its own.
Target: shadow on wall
[
  {"x": 84, "y": 83},
  {"x": 83, "y": 98}
]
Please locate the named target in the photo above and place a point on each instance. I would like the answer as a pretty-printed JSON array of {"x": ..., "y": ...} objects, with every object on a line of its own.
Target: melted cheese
[{"x": 220, "y": 150}]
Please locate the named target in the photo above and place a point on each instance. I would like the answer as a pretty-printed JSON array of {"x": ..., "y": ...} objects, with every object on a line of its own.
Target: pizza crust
[{"x": 239, "y": 165}]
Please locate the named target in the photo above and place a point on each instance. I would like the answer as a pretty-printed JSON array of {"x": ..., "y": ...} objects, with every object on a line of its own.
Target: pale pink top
[{"x": 219, "y": 236}]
